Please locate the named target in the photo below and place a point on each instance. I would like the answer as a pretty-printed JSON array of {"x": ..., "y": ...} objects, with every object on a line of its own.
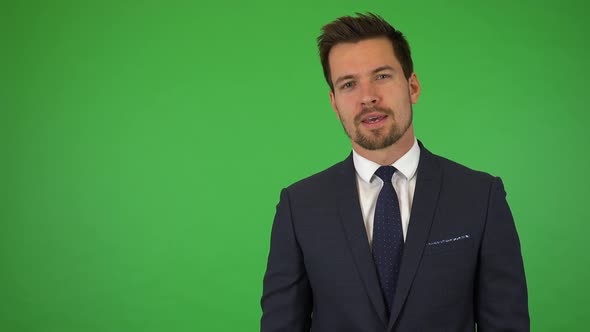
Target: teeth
[{"x": 373, "y": 119}]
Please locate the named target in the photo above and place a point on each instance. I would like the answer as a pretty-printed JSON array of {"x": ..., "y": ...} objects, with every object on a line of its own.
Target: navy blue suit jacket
[{"x": 461, "y": 263}]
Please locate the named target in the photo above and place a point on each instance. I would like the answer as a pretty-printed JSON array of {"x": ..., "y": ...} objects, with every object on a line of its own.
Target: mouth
[{"x": 373, "y": 120}]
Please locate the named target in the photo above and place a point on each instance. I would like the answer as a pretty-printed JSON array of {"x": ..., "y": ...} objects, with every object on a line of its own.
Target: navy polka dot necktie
[{"x": 388, "y": 238}]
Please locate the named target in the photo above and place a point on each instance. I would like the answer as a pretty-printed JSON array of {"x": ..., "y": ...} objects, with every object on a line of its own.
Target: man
[{"x": 394, "y": 238}]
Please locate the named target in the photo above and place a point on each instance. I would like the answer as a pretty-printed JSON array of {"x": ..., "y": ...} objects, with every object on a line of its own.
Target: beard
[{"x": 380, "y": 138}]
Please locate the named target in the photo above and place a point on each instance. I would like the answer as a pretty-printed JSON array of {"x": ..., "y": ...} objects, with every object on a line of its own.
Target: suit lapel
[
  {"x": 428, "y": 182},
  {"x": 354, "y": 228}
]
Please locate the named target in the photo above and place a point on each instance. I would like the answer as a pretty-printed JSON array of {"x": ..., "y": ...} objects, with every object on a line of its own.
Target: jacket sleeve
[
  {"x": 501, "y": 291},
  {"x": 286, "y": 297}
]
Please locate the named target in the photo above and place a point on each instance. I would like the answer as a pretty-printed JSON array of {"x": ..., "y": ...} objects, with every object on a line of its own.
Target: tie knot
[{"x": 385, "y": 173}]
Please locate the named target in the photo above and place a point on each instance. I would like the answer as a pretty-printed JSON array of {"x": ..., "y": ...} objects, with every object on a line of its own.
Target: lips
[{"x": 373, "y": 118}]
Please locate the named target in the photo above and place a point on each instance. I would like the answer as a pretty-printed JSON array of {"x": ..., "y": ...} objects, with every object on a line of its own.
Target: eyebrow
[{"x": 374, "y": 71}]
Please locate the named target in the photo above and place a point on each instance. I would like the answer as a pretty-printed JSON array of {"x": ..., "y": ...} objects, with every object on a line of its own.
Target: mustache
[{"x": 368, "y": 110}]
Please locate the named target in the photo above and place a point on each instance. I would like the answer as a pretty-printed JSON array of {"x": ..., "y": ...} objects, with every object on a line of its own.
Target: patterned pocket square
[{"x": 445, "y": 241}]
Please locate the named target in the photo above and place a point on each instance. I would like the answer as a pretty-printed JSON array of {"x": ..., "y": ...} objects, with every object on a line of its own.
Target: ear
[
  {"x": 333, "y": 103},
  {"x": 414, "y": 86}
]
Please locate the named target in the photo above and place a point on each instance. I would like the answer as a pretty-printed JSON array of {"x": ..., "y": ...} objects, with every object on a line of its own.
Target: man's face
[{"x": 371, "y": 96}]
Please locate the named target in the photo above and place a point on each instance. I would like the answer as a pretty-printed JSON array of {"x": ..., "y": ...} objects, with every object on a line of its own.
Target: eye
[
  {"x": 383, "y": 76},
  {"x": 347, "y": 85}
]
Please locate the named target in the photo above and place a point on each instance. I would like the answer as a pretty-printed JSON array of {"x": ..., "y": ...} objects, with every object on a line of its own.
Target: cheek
[
  {"x": 400, "y": 99},
  {"x": 345, "y": 101},
  {"x": 345, "y": 112}
]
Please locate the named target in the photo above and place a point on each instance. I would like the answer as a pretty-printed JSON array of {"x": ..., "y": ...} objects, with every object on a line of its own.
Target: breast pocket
[{"x": 464, "y": 242}]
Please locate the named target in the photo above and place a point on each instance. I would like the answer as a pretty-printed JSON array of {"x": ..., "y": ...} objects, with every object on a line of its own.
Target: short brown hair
[{"x": 348, "y": 29}]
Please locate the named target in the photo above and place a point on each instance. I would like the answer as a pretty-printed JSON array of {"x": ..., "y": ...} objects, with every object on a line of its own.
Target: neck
[{"x": 390, "y": 154}]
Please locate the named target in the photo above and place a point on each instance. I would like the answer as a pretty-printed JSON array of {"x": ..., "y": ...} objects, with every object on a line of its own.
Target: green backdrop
[{"x": 125, "y": 125}]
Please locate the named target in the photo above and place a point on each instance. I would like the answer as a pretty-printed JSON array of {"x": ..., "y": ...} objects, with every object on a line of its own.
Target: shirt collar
[{"x": 406, "y": 164}]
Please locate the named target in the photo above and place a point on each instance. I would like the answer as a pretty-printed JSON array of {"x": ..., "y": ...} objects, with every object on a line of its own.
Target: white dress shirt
[{"x": 369, "y": 185}]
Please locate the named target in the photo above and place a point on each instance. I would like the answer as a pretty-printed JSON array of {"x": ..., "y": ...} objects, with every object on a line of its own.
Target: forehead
[{"x": 365, "y": 55}]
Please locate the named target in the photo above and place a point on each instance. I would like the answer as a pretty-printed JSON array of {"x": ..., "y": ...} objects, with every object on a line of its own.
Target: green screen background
[{"x": 144, "y": 145}]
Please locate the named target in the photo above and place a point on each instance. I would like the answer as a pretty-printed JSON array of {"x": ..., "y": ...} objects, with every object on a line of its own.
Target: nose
[{"x": 369, "y": 95}]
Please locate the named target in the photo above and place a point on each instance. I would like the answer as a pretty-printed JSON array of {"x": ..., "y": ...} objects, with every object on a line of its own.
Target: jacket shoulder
[
  {"x": 456, "y": 173},
  {"x": 319, "y": 179}
]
